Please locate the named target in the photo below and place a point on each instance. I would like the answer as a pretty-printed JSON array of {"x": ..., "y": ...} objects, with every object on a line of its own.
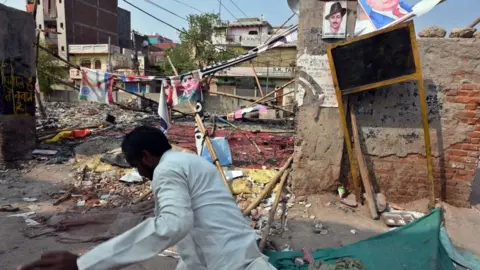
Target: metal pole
[
  {"x": 220, "y": 10},
  {"x": 109, "y": 64},
  {"x": 268, "y": 67}
]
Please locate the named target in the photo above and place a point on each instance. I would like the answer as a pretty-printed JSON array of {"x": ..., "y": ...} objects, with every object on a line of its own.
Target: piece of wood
[
  {"x": 269, "y": 187},
  {"x": 251, "y": 100},
  {"x": 210, "y": 148},
  {"x": 365, "y": 175},
  {"x": 256, "y": 79},
  {"x": 65, "y": 196},
  {"x": 474, "y": 23},
  {"x": 271, "y": 93},
  {"x": 273, "y": 210},
  {"x": 346, "y": 134},
  {"x": 173, "y": 67}
]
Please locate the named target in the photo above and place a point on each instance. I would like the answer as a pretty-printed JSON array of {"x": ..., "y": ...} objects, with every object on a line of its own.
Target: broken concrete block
[
  {"x": 432, "y": 32},
  {"x": 462, "y": 32}
]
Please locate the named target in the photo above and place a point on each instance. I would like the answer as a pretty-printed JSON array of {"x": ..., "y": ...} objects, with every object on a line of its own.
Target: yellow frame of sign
[{"x": 417, "y": 75}]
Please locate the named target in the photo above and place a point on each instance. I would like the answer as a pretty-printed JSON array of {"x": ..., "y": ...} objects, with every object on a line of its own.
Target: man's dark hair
[{"x": 144, "y": 138}]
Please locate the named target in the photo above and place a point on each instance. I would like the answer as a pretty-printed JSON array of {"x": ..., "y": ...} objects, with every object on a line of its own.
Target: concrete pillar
[
  {"x": 319, "y": 142},
  {"x": 17, "y": 84}
]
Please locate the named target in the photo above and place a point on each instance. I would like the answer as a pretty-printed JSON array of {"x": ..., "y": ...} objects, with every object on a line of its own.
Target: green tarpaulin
[{"x": 414, "y": 246}]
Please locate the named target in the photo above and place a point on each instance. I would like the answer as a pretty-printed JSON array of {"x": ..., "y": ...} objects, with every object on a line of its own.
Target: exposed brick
[
  {"x": 463, "y": 93},
  {"x": 471, "y": 106},
  {"x": 459, "y": 153},
  {"x": 475, "y": 135},
  {"x": 463, "y": 99},
  {"x": 452, "y": 92},
  {"x": 475, "y": 140},
  {"x": 468, "y": 114},
  {"x": 468, "y": 87}
]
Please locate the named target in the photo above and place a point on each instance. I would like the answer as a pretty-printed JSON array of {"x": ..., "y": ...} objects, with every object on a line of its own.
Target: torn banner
[
  {"x": 373, "y": 14},
  {"x": 96, "y": 86}
]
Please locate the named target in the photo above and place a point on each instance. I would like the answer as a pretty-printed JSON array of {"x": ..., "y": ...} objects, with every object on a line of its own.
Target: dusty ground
[{"x": 42, "y": 181}]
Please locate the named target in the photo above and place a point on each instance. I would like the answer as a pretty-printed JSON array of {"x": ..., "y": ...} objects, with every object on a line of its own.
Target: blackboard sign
[
  {"x": 17, "y": 93},
  {"x": 374, "y": 58}
]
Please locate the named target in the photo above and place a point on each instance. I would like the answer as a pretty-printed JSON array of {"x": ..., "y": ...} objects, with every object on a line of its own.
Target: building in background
[
  {"x": 65, "y": 22},
  {"x": 274, "y": 67},
  {"x": 159, "y": 44},
  {"x": 124, "y": 28}
]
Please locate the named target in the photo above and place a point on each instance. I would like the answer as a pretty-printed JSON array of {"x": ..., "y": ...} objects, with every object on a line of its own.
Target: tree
[
  {"x": 196, "y": 49},
  {"x": 49, "y": 68}
]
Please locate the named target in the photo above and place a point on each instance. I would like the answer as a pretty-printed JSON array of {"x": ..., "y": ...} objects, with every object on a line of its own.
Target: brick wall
[
  {"x": 389, "y": 123},
  {"x": 394, "y": 147}
]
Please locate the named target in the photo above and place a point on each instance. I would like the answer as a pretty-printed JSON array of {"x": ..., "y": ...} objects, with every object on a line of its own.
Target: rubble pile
[
  {"x": 62, "y": 115},
  {"x": 95, "y": 189}
]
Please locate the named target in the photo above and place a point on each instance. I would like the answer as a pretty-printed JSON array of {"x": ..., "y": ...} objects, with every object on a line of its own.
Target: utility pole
[
  {"x": 220, "y": 9},
  {"x": 109, "y": 61}
]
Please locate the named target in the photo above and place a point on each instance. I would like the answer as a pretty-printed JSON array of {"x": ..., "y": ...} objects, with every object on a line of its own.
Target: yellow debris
[
  {"x": 240, "y": 185},
  {"x": 260, "y": 176}
]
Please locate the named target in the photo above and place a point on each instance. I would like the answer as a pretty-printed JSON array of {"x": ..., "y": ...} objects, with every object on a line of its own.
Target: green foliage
[
  {"x": 48, "y": 68},
  {"x": 196, "y": 49}
]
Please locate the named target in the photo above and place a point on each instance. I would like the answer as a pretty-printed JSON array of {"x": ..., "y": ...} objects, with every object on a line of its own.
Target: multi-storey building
[
  {"x": 273, "y": 68},
  {"x": 66, "y": 22}
]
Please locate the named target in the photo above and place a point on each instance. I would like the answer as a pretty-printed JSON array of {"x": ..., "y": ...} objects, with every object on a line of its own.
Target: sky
[{"x": 450, "y": 14}]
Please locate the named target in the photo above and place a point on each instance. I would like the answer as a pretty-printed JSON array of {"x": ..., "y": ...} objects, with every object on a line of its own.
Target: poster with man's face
[
  {"x": 335, "y": 19},
  {"x": 377, "y": 14}
]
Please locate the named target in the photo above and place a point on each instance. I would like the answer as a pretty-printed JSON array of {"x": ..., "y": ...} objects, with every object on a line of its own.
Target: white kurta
[{"x": 193, "y": 210}]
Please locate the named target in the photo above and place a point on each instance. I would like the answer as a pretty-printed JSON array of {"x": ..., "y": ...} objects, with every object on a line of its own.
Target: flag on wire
[{"x": 163, "y": 112}]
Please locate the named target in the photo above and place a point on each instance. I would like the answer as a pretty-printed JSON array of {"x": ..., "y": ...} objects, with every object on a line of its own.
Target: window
[
  {"x": 40, "y": 26},
  {"x": 60, "y": 1},
  {"x": 253, "y": 32},
  {"x": 63, "y": 48},
  {"x": 61, "y": 25},
  {"x": 86, "y": 63},
  {"x": 98, "y": 64}
]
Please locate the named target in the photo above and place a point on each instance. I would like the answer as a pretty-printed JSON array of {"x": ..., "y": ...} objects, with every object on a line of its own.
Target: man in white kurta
[{"x": 194, "y": 210}]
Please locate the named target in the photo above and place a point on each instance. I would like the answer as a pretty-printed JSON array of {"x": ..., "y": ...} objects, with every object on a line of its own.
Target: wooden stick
[
  {"x": 256, "y": 79},
  {"x": 209, "y": 146},
  {"x": 271, "y": 93},
  {"x": 272, "y": 212},
  {"x": 361, "y": 162},
  {"x": 65, "y": 196},
  {"x": 251, "y": 100},
  {"x": 273, "y": 98},
  {"x": 173, "y": 67},
  {"x": 269, "y": 187}
]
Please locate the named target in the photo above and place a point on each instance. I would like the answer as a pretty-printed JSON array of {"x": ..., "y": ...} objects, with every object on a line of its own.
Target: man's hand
[{"x": 53, "y": 261}]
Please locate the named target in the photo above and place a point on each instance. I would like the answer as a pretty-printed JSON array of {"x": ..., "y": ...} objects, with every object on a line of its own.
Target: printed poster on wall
[
  {"x": 314, "y": 76},
  {"x": 335, "y": 19},
  {"x": 377, "y": 14}
]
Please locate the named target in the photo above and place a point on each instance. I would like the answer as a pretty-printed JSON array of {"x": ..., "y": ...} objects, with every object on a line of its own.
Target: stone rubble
[
  {"x": 432, "y": 32},
  {"x": 462, "y": 32}
]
